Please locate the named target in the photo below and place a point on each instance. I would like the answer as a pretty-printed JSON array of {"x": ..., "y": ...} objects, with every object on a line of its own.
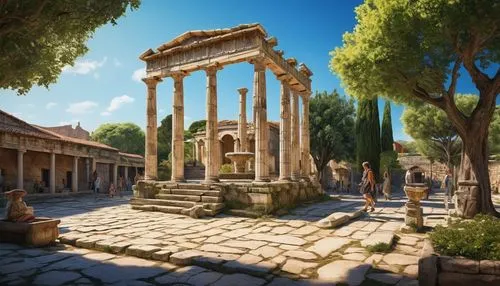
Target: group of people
[{"x": 123, "y": 184}]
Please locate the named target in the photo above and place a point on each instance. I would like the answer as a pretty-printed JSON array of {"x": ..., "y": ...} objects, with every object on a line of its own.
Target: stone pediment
[{"x": 195, "y": 36}]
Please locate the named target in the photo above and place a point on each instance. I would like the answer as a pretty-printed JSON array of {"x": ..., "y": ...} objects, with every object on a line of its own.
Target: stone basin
[
  {"x": 416, "y": 192},
  {"x": 239, "y": 159},
  {"x": 40, "y": 232}
]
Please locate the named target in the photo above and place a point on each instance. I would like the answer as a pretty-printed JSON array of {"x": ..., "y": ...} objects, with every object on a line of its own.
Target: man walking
[{"x": 368, "y": 187}]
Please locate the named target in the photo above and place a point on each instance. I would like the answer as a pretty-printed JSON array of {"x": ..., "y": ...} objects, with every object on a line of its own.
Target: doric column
[
  {"x": 178, "y": 129},
  {"x": 52, "y": 172},
  {"x": 212, "y": 140},
  {"x": 260, "y": 111},
  {"x": 151, "y": 160},
  {"x": 295, "y": 143},
  {"x": 87, "y": 170},
  {"x": 125, "y": 173},
  {"x": 285, "y": 125},
  {"x": 20, "y": 169},
  {"x": 304, "y": 142},
  {"x": 74, "y": 175},
  {"x": 115, "y": 174},
  {"x": 242, "y": 121}
]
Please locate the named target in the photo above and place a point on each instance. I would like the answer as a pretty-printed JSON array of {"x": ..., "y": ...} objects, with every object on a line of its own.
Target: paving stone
[
  {"x": 408, "y": 240},
  {"x": 222, "y": 249},
  {"x": 411, "y": 270},
  {"x": 145, "y": 241},
  {"x": 386, "y": 278},
  {"x": 54, "y": 278},
  {"x": 390, "y": 226},
  {"x": 360, "y": 234},
  {"x": 143, "y": 251},
  {"x": 180, "y": 275},
  {"x": 304, "y": 255},
  {"x": 51, "y": 258},
  {"x": 99, "y": 256},
  {"x": 257, "y": 269},
  {"x": 408, "y": 249},
  {"x": 345, "y": 231},
  {"x": 112, "y": 273},
  {"x": 296, "y": 223},
  {"x": 285, "y": 239},
  {"x": 305, "y": 230},
  {"x": 279, "y": 259},
  {"x": 73, "y": 263},
  {"x": 312, "y": 238},
  {"x": 119, "y": 247},
  {"x": 33, "y": 252},
  {"x": 374, "y": 258},
  {"x": 204, "y": 278},
  {"x": 237, "y": 233},
  {"x": 372, "y": 226},
  {"x": 216, "y": 239},
  {"x": 249, "y": 244},
  {"x": 71, "y": 237},
  {"x": 239, "y": 279},
  {"x": 328, "y": 245},
  {"x": 249, "y": 259},
  {"x": 297, "y": 266},
  {"x": 9, "y": 260},
  {"x": 184, "y": 257},
  {"x": 267, "y": 251},
  {"x": 162, "y": 255},
  {"x": 344, "y": 271},
  {"x": 282, "y": 229},
  {"x": 400, "y": 259},
  {"x": 9, "y": 246},
  {"x": 354, "y": 256},
  {"x": 289, "y": 247},
  {"x": 378, "y": 237}
]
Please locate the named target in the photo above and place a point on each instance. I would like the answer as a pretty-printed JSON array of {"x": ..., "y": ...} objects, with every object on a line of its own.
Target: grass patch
[
  {"x": 478, "y": 238},
  {"x": 379, "y": 247}
]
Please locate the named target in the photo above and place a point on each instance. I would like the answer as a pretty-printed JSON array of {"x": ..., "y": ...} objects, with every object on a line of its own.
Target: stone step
[
  {"x": 207, "y": 199},
  {"x": 179, "y": 197},
  {"x": 184, "y": 204},
  {"x": 214, "y": 206},
  {"x": 195, "y": 192},
  {"x": 156, "y": 208}
]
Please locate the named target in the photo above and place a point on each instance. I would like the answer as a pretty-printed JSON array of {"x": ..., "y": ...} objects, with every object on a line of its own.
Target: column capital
[
  {"x": 179, "y": 75},
  {"x": 306, "y": 95},
  {"x": 259, "y": 63},
  {"x": 243, "y": 90},
  {"x": 212, "y": 69},
  {"x": 21, "y": 150},
  {"x": 151, "y": 82},
  {"x": 284, "y": 78}
]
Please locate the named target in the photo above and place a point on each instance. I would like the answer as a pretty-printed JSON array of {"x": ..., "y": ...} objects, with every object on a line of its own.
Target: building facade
[{"x": 55, "y": 159}]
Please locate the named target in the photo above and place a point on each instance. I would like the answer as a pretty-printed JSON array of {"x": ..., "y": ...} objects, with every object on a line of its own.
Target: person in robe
[{"x": 17, "y": 210}]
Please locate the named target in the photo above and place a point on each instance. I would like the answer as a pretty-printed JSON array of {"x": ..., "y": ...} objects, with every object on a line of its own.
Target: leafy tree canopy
[
  {"x": 39, "y": 38},
  {"x": 197, "y": 126},
  {"x": 127, "y": 137},
  {"x": 332, "y": 128}
]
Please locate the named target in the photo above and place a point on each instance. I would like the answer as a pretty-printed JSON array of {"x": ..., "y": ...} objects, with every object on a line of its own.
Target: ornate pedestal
[
  {"x": 414, "y": 216},
  {"x": 240, "y": 159}
]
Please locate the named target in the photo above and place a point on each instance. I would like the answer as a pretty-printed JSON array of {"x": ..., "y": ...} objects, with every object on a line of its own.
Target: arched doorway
[{"x": 227, "y": 145}]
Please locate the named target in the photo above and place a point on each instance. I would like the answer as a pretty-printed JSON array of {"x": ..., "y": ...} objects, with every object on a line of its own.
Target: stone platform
[{"x": 197, "y": 199}]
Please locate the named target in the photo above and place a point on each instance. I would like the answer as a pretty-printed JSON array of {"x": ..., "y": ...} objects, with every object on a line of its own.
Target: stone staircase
[
  {"x": 194, "y": 200},
  {"x": 194, "y": 172}
]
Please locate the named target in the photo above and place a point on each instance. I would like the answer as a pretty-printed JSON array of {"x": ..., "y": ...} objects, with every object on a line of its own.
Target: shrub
[
  {"x": 475, "y": 239},
  {"x": 379, "y": 247},
  {"x": 226, "y": 169}
]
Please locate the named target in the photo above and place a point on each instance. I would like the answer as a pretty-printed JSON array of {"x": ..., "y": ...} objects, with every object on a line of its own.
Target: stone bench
[{"x": 41, "y": 232}]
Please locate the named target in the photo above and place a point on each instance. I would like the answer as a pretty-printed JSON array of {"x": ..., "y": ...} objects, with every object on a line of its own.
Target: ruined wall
[
  {"x": 8, "y": 166},
  {"x": 494, "y": 167},
  {"x": 438, "y": 169},
  {"x": 67, "y": 130}
]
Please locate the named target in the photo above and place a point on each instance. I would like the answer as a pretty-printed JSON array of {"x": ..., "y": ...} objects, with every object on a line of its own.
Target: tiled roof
[{"x": 76, "y": 140}]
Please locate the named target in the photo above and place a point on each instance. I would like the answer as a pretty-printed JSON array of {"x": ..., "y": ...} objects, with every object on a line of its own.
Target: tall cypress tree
[
  {"x": 368, "y": 134},
  {"x": 386, "y": 138}
]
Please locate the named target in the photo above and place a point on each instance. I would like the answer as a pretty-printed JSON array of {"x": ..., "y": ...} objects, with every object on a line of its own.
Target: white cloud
[
  {"x": 161, "y": 111},
  {"x": 105, "y": 113},
  {"x": 81, "y": 107},
  {"x": 117, "y": 63},
  {"x": 139, "y": 74},
  {"x": 84, "y": 66},
  {"x": 96, "y": 75},
  {"x": 71, "y": 122},
  {"x": 118, "y": 101},
  {"x": 50, "y": 105}
]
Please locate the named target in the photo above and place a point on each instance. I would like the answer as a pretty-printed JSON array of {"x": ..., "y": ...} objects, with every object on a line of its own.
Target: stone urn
[
  {"x": 414, "y": 217},
  {"x": 239, "y": 159}
]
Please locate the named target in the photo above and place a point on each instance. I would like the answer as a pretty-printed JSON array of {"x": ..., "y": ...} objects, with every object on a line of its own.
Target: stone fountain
[
  {"x": 414, "y": 215},
  {"x": 240, "y": 160}
]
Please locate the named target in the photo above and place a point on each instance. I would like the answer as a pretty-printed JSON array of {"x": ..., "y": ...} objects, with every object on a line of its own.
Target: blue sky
[{"x": 104, "y": 84}]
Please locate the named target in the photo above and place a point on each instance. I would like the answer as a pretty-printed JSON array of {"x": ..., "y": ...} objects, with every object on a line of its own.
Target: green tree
[
  {"x": 331, "y": 126},
  {"x": 39, "y": 38},
  {"x": 165, "y": 138},
  {"x": 387, "y": 138},
  {"x": 414, "y": 51},
  {"x": 368, "y": 134},
  {"x": 127, "y": 137},
  {"x": 197, "y": 126}
]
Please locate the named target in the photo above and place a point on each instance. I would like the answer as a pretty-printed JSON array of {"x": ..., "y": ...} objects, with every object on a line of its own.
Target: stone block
[
  {"x": 464, "y": 279},
  {"x": 460, "y": 265},
  {"x": 489, "y": 267},
  {"x": 428, "y": 271},
  {"x": 378, "y": 237},
  {"x": 41, "y": 232},
  {"x": 142, "y": 251}
]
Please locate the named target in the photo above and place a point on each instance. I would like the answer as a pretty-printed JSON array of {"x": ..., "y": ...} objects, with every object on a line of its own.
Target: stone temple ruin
[{"x": 211, "y": 50}]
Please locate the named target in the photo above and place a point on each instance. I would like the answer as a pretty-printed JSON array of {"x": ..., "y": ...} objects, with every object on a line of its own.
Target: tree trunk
[{"x": 474, "y": 189}]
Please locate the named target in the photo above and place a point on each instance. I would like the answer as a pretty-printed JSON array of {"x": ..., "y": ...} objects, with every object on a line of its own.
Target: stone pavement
[{"x": 118, "y": 245}]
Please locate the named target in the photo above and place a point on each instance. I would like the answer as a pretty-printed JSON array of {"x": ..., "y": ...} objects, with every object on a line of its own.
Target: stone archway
[{"x": 227, "y": 145}]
